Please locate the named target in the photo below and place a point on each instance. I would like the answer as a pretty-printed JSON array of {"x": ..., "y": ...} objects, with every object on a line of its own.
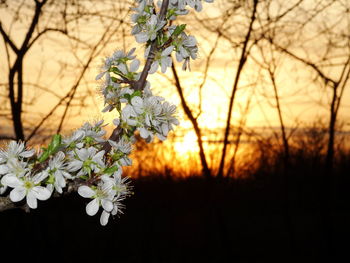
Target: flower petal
[
  {"x": 3, "y": 169},
  {"x": 27, "y": 154},
  {"x": 100, "y": 75},
  {"x": 31, "y": 200},
  {"x": 141, "y": 37},
  {"x": 83, "y": 154},
  {"x": 154, "y": 67},
  {"x": 41, "y": 193},
  {"x": 40, "y": 176},
  {"x": 107, "y": 205},
  {"x": 104, "y": 218},
  {"x": 17, "y": 194},
  {"x": 85, "y": 191},
  {"x": 167, "y": 51},
  {"x": 11, "y": 181},
  {"x": 134, "y": 66},
  {"x": 92, "y": 207},
  {"x": 74, "y": 166},
  {"x": 144, "y": 133}
]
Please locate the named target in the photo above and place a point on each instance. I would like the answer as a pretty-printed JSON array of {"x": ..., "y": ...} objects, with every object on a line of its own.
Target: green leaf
[
  {"x": 127, "y": 96},
  {"x": 114, "y": 79},
  {"x": 44, "y": 156},
  {"x": 137, "y": 93},
  {"x": 111, "y": 170},
  {"x": 55, "y": 144},
  {"x": 178, "y": 30}
]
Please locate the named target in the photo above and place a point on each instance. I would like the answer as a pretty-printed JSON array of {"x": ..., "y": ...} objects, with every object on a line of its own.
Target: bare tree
[
  {"x": 325, "y": 54},
  {"x": 189, "y": 113},
  {"x": 32, "y": 25}
]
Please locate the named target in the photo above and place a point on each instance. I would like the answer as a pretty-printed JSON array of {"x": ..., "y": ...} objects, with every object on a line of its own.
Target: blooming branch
[{"x": 86, "y": 162}]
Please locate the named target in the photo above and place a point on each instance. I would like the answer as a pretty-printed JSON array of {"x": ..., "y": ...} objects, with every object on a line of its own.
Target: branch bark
[
  {"x": 242, "y": 61},
  {"x": 205, "y": 168},
  {"x": 140, "y": 84}
]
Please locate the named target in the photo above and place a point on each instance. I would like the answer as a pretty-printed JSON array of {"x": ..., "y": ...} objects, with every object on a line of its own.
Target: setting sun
[{"x": 188, "y": 144}]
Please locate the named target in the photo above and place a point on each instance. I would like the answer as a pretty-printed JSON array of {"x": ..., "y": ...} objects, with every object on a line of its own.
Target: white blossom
[
  {"x": 58, "y": 169},
  {"x": 27, "y": 186},
  {"x": 128, "y": 115},
  {"x": 121, "y": 149},
  {"x": 105, "y": 68},
  {"x": 119, "y": 56},
  {"x": 117, "y": 209},
  {"x": 93, "y": 131},
  {"x": 162, "y": 59},
  {"x": 115, "y": 59},
  {"x": 185, "y": 46},
  {"x": 86, "y": 161},
  {"x": 119, "y": 184},
  {"x": 150, "y": 29},
  {"x": 15, "y": 151},
  {"x": 75, "y": 139},
  {"x": 168, "y": 118},
  {"x": 181, "y": 4},
  {"x": 114, "y": 95},
  {"x": 140, "y": 17},
  {"x": 102, "y": 195},
  {"x": 15, "y": 168}
]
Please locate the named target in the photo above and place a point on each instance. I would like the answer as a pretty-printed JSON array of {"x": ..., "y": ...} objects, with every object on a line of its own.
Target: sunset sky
[{"x": 52, "y": 65}]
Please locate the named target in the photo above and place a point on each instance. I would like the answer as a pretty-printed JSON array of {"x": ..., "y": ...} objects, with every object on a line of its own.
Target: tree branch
[
  {"x": 140, "y": 84},
  {"x": 8, "y": 40}
]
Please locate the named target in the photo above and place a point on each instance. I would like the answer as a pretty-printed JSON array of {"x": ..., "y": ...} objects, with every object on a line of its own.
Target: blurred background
[{"x": 259, "y": 166}]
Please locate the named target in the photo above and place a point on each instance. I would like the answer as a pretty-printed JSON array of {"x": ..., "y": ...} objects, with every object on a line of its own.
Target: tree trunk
[
  {"x": 16, "y": 102},
  {"x": 205, "y": 168},
  {"x": 241, "y": 64}
]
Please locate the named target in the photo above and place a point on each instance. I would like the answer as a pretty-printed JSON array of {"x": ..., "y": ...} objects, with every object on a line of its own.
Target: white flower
[
  {"x": 150, "y": 30},
  {"x": 57, "y": 169},
  {"x": 119, "y": 55},
  {"x": 121, "y": 150},
  {"x": 196, "y": 4},
  {"x": 117, "y": 209},
  {"x": 75, "y": 139},
  {"x": 114, "y": 95},
  {"x": 149, "y": 107},
  {"x": 105, "y": 68},
  {"x": 102, "y": 195},
  {"x": 130, "y": 72},
  {"x": 116, "y": 58},
  {"x": 121, "y": 187},
  {"x": 140, "y": 17},
  {"x": 168, "y": 118},
  {"x": 86, "y": 161},
  {"x": 28, "y": 187},
  {"x": 94, "y": 132},
  {"x": 118, "y": 183},
  {"x": 128, "y": 115},
  {"x": 123, "y": 145},
  {"x": 15, "y": 168},
  {"x": 15, "y": 151},
  {"x": 163, "y": 59}
]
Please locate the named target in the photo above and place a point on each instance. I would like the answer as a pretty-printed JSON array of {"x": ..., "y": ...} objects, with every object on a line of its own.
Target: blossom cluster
[
  {"x": 78, "y": 158},
  {"x": 86, "y": 161},
  {"x": 148, "y": 26}
]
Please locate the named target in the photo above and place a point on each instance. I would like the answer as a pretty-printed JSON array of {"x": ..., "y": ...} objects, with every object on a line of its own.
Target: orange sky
[{"x": 302, "y": 107}]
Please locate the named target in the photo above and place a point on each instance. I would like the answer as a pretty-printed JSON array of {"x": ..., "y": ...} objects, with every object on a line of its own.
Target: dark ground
[{"x": 191, "y": 220}]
